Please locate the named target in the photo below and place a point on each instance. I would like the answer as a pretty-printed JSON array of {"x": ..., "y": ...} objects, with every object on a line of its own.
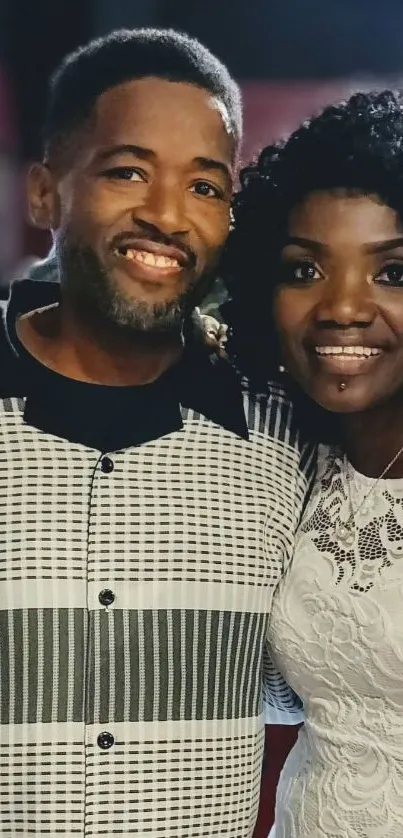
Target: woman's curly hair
[{"x": 356, "y": 145}]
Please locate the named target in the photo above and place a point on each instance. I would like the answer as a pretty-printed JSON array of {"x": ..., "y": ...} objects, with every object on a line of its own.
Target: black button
[
  {"x": 106, "y": 597},
  {"x": 105, "y": 740},
  {"x": 107, "y": 465}
]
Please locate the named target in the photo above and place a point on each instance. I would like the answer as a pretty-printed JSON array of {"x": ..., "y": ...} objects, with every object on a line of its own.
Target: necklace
[{"x": 345, "y": 530}]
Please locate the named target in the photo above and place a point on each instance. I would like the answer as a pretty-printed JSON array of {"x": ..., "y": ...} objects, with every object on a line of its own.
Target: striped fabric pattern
[{"x": 190, "y": 533}]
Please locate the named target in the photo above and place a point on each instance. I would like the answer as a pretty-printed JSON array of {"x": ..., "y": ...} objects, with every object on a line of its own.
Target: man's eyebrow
[
  {"x": 125, "y": 148},
  {"x": 213, "y": 165}
]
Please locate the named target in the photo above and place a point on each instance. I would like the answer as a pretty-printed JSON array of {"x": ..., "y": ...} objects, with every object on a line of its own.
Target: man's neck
[{"x": 96, "y": 353}]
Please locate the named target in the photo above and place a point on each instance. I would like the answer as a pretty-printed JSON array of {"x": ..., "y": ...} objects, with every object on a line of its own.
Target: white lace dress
[{"x": 337, "y": 634}]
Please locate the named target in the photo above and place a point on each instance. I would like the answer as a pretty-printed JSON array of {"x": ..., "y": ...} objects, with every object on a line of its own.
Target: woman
[{"x": 319, "y": 231}]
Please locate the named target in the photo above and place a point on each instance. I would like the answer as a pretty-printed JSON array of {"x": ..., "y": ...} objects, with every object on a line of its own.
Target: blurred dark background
[
  {"x": 258, "y": 39},
  {"x": 290, "y": 56}
]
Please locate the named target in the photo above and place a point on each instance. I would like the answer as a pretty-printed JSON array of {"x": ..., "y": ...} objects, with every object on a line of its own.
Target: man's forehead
[
  {"x": 150, "y": 90},
  {"x": 158, "y": 114}
]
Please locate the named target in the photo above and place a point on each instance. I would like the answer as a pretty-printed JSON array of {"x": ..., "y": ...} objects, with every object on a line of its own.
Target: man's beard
[{"x": 95, "y": 294}]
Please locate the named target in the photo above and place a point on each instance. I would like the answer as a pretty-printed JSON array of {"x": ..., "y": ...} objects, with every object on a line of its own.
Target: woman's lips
[{"x": 347, "y": 360}]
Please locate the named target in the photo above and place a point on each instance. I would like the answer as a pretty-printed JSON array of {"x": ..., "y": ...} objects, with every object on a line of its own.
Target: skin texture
[
  {"x": 120, "y": 321},
  {"x": 341, "y": 283}
]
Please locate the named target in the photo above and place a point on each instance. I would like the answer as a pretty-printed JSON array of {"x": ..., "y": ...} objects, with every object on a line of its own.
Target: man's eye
[
  {"x": 125, "y": 173},
  {"x": 299, "y": 272},
  {"x": 391, "y": 274},
  {"x": 206, "y": 190}
]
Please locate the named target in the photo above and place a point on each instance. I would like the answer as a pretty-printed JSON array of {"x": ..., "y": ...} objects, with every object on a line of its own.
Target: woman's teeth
[{"x": 350, "y": 351}]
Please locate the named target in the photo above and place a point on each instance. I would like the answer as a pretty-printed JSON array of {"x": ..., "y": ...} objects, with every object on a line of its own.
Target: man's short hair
[{"x": 126, "y": 55}]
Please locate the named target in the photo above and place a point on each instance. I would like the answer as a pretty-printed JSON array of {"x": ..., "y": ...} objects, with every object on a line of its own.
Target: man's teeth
[
  {"x": 147, "y": 258},
  {"x": 351, "y": 351}
]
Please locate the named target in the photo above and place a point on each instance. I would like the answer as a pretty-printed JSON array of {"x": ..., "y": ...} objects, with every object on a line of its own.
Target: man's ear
[{"x": 43, "y": 197}]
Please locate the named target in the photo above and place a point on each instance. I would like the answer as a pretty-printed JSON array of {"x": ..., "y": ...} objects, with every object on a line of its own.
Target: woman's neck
[{"x": 372, "y": 438}]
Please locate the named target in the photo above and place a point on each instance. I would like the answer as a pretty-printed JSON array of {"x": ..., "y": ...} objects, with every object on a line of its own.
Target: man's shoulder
[
  {"x": 269, "y": 409},
  {"x": 8, "y": 360},
  {"x": 272, "y": 393},
  {"x": 271, "y": 416},
  {"x": 12, "y": 377}
]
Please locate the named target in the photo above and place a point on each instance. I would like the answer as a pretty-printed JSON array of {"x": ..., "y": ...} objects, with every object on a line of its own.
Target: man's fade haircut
[
  {"x": 126, "y": 55},
  {"x": 357, "y": 146}
]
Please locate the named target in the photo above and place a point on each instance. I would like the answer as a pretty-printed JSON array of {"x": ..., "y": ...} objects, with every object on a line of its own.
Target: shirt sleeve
[{"x": 281, "y": 705}]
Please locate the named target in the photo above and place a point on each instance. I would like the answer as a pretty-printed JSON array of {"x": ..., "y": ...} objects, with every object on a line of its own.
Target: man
[{"x": 148, "y": 504}]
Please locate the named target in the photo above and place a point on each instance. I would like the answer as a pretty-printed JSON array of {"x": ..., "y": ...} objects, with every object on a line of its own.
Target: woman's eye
[
  {"x": 206, "y": 190},
  {"x": 299, "y": 272},
  {"x": 125, "y": 173},
  {"x": 391, "y": 274}
]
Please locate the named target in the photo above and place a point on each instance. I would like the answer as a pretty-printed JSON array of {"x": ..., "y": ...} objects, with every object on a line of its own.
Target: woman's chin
[{"x": 341, "y": 397}]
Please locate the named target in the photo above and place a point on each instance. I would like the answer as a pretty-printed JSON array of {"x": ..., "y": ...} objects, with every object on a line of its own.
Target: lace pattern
[
  {"x": 337, "y": 635},
  {"x": 378, "y": 521}
]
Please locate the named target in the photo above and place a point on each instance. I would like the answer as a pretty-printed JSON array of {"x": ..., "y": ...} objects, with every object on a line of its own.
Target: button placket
[{"x": 106, "y": 596}]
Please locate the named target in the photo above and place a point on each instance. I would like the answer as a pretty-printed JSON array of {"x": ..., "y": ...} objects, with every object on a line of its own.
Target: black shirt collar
[{"x": 112, "y": 418}]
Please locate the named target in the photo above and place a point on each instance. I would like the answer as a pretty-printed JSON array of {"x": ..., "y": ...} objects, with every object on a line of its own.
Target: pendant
[{"x": 344, "y": 534}]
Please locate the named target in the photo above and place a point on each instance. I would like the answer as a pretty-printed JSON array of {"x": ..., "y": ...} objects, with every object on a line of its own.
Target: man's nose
[{"x": 164, "y": 207}]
